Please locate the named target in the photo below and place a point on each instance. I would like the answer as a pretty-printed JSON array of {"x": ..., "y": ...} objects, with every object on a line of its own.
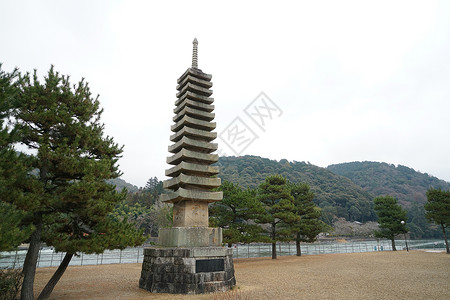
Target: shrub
[{"x": 10, "y": 283}]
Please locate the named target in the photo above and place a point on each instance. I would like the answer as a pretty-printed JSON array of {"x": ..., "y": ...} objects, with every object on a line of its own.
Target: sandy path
[{"x": 375, "y": 275}]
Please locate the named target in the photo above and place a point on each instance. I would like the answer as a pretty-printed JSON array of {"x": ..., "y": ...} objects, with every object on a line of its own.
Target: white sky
[{"x": 354, "y": 80}]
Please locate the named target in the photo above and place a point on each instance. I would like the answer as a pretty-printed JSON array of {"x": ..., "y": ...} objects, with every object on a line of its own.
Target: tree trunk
[
  {"x": 393, "y": 245},
  {"x": 29, "y": 265},
  {"x": 230, "y": 245},
  {"x": 56, "y": 277},
  {"x": 445, "y": 238},
  {"x": 299, "y": 250},
  {"x": 297, "y": 245},
  {"x": 274, "y": 242}
]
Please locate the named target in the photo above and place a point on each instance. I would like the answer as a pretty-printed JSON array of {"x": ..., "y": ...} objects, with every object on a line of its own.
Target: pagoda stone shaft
[{"x": 192, "y": 157}]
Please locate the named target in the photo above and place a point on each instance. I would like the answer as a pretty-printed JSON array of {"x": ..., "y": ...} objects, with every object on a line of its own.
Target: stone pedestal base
[
  {"x": 193, "y": 270},
  {"x": 190, "y": 237}
]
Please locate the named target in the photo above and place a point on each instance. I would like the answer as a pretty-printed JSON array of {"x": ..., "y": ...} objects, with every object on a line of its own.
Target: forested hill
[
  {"x": 403, "y": 183},
  {"x": 335, "y": 194},
  {"x": 120, "y": 184}
]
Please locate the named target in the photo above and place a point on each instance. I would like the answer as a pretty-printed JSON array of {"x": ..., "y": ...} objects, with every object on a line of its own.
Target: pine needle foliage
[{"x": 67, "y": 198}]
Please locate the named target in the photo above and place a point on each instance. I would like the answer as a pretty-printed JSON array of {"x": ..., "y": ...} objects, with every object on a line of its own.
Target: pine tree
[
  {"x": 278, "y": 209},
  {"x": 68, "y": 199},
  {"x": 310, "y": 225},
  {"x": 438, "y": 210},
  {"x": 390, "y": 216},
  {"x": 12, "y": 233},
  {"x": 235, "y": 214},
  {"x": 12, "y": 169},
  {"x": 151, "y": 192}
]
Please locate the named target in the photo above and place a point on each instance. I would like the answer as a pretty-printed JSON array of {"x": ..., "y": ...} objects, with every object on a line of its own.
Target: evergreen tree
[
  {"x": 150, "y": 220},
  {"x": 278, "y": 209},
  {"x": 235, "y": 214},
  {"x": 12, "y": 233},
  {"x": 152, "y": 190},
  {"x": 390, "y": 215},
  {"x": 153, "y": 184},
  {"x": 309, "y": 225},
  {"x": 12, "y": 169},
  {"x": 328, "y": 213},
  {"x": 419, "y": 226},
  {"x": 136, "y": 214},
  {"x": 161, "y": 216},
  {"x": 438, "y": 210},
  {"x": 68, "y": 200},
  {"x": 148, "y": 195}
]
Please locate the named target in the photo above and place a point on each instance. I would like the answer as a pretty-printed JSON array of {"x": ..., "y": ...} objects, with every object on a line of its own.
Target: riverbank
[{"x": 374, "y": 275}]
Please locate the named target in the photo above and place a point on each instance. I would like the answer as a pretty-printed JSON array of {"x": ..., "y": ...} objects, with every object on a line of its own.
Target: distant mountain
[
  {"x": 336, "y": 194},
  {"x": 120, "y": 184},
  {"x": 343, "y": 190},
  {"x": 405, "y": 184}
]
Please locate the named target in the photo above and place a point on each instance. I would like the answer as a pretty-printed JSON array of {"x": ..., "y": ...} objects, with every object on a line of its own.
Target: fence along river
[{"x": 49, "y": 258}]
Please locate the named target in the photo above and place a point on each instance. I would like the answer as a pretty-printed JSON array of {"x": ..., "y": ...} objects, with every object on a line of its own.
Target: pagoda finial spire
[{"x": 195, "y": 54}]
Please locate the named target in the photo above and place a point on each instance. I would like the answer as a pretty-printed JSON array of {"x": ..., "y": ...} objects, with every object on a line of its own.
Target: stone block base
[
  {"x": 193, "y": 270},
  {"x": 190, "y": 237}
]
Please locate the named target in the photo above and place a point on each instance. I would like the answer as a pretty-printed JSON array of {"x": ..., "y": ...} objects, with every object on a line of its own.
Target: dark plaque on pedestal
[{"x": 209, "y": 265}]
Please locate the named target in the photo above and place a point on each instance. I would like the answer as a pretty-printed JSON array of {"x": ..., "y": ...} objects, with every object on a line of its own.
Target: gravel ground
[{"x": 374, "y": 275}]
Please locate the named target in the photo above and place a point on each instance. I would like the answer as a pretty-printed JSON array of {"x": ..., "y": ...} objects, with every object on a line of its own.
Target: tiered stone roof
[{"x": 192, "y": 149}]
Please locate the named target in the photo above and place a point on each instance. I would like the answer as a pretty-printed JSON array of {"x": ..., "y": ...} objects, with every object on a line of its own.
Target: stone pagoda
[{"x": 190, "y": 257}]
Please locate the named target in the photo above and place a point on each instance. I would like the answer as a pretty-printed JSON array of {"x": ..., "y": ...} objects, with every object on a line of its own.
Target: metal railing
[
  {"x": 284, "y": 249},
  {"x": 49, "y": 258}
]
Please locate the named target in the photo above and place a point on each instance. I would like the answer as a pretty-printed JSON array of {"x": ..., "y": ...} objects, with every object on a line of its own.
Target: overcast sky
[{"x": 342, "y": 80}]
